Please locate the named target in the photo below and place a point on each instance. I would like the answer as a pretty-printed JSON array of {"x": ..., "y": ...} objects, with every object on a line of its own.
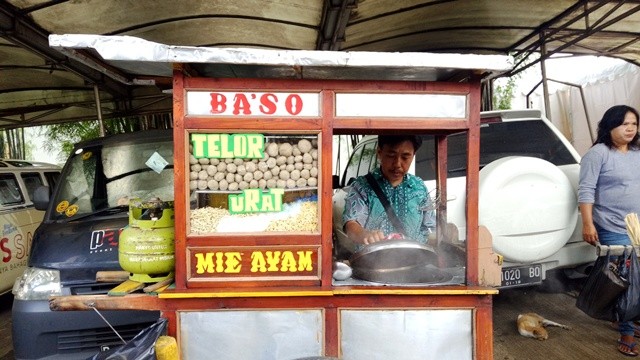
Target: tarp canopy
[{"x": 41, "y": 85}]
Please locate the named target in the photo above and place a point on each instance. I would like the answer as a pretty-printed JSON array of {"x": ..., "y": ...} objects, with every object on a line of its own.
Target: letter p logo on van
[{"x": 102, "y": 240}]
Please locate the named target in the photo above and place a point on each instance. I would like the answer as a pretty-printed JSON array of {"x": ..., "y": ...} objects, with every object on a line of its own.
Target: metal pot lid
[
  {"x": 393, "y": 255},
  {"x": 424, "y": 274}
]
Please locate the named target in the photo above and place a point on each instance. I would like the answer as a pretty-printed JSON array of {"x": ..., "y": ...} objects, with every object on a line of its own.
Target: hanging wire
[{"x": 105, "y": 320}]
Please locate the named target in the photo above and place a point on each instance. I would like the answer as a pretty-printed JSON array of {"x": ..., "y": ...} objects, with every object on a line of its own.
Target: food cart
[{"x": 253, "y": 141}]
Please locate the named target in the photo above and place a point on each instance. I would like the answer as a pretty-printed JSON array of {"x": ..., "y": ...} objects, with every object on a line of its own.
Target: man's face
[{"x": 395, "y": 161}]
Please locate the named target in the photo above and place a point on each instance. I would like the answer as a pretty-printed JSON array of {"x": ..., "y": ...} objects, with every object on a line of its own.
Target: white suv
[{"x": 527, "y": 193}]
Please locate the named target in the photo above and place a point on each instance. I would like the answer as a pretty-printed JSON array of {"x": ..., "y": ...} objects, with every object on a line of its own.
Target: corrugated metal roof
[{"x": 40, "y": 85}]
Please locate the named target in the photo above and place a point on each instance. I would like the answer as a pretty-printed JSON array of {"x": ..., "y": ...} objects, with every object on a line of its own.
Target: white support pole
[
  {"x": 545, "y": 85},
  {"x": 96, "y": 93}
]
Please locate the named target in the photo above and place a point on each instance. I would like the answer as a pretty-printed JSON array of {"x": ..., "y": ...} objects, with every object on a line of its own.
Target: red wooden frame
[{"x": 319, "y": 293}]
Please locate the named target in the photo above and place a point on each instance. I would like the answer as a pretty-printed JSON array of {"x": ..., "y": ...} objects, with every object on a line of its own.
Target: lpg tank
[{"x": 146, "y": 249}]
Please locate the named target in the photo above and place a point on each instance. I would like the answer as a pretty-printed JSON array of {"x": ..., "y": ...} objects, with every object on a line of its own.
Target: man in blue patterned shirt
[{"x": 364, "y": 218}]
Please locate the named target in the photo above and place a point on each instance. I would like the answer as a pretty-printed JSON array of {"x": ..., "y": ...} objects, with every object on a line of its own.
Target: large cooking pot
[{"x": 397, "y": 262}]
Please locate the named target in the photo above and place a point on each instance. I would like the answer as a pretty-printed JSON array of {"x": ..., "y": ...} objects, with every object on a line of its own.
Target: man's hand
[
  {"x": 369, "y": 237},
  {"x": 358, "y": 234}
]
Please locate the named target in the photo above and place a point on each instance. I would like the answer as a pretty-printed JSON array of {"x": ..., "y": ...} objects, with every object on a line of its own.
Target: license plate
[{"x": 521, "y": 275}]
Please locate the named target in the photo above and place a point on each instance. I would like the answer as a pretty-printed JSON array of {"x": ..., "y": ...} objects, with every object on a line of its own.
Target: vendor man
[{"x": 365, "y": 219}]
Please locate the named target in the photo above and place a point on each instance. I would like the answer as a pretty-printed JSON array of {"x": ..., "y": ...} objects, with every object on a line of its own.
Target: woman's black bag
[
  {"x": 598, "y": 298},
  {"x": 628, "y": 307}
]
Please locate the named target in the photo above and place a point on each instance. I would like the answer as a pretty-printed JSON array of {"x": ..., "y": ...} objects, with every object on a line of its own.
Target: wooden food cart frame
[
  {"x": 331, "y": 314},
  {"x": 319, "y": 293}
]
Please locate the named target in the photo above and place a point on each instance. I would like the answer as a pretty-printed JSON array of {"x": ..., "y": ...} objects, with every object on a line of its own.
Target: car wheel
[{"x": 528, "y": 205}]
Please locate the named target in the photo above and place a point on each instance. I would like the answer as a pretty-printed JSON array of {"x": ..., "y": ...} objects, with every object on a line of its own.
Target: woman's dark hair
[
  {"x": 611, "y": 119},
  {"x": 393, "y": 140}
]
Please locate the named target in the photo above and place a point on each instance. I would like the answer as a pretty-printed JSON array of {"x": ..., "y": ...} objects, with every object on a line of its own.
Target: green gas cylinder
[{"x": 146, "y": 248}]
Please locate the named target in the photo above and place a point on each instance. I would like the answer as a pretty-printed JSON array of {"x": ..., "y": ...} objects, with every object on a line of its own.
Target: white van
[
  {"x": 18, "y": 216},
  {"x": 528, "y": 183}
]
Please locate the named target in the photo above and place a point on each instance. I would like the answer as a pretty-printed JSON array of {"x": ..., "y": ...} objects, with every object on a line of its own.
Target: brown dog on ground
[{"x": 533, "y": 325}]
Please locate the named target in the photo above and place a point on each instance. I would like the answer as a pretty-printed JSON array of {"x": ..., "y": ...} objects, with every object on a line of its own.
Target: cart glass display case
[{"x": 253, "y": 182}]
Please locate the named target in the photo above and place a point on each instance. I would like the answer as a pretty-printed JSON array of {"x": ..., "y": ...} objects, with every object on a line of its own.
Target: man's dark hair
[
  {"x": 611, "y": 119},
  {"x": 393, "y": 140}
]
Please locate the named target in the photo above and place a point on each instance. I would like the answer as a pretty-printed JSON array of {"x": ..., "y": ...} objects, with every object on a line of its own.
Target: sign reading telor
[{"x": 223, "y": 146}]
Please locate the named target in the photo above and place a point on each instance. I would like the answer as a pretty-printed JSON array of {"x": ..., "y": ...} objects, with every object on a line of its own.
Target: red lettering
[
  {"x": 240, "y": 102},
  {"x": 218, "y": 103},
  {"x": 5, "y": 250},
  {"x": 268, "y": 102},
  {"x": 293, "y": 104},
  {"x": 20, "y": 246},
  {"x": 110, "y": 237}
]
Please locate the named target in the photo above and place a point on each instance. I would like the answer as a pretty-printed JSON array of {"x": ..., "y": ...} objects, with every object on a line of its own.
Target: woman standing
[{"x": 609, "y": 189}]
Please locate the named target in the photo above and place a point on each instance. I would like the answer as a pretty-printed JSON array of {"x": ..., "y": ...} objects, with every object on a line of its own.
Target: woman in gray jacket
[{"x": 609, "y": 189}]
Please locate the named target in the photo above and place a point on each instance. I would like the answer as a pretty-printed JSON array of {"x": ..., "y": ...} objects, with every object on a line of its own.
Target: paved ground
[{"x": 588, "y": 338}]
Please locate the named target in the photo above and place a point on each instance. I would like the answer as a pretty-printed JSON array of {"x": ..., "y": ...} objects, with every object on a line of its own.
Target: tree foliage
[
  {"x": 12, "y": 144},
  {"x": 503, "y": 94},
  {"x": 62, "y": 137},
  {"x": 504, "y": 89}
]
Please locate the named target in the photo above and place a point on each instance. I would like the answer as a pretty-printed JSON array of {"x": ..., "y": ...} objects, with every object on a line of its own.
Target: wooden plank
[
  {"x": 106, "y": 302},
  {"x": 112, "y": 276},
  {"x": 125, "y": 288},
  {"x": 158, "y": 286}
]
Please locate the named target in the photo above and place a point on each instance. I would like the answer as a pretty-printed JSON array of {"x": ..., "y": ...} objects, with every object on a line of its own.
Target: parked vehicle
[
  {"x": 527, "y": 193},
  {"x": 79, "y": 237},
  {"x": 18, "y": 216}
]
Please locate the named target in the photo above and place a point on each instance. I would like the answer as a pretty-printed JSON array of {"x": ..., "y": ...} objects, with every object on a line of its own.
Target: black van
[{"x": 79, "y": 237}]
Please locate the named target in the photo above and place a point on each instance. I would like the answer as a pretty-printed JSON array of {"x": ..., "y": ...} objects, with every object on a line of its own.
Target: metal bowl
[{"x": 397, "y": 262}]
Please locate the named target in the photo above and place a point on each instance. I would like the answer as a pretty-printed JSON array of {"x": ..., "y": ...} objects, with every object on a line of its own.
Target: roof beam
[
  {"x": 333, "y": 25},
  {"x": 22, "y": 31},
  {"x": 548, "y": 31}
]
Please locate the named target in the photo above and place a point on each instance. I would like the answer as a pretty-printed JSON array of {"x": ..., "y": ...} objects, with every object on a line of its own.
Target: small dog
[{"x": 533, "y": 325}]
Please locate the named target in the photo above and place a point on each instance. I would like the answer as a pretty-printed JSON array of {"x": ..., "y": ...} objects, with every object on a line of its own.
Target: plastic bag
[
  {"x": 628, "y": 307},
  {"x": 598, "y": 298},
  {"x": 141, "y": 347}
]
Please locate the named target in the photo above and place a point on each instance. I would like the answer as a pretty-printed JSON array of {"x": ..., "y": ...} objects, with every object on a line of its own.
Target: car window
[
  {"x": 10, "y": 193},
  {"x": 52, "y": 178},
  {"x": 351, "y": 172},
  {"x": 31, "y": 182},
  {"x": 368, "y": 158},
  {"x": 497, "y": 140},
  {"x": 362, "y": 161},
  {"x": 108, "y": 175}
]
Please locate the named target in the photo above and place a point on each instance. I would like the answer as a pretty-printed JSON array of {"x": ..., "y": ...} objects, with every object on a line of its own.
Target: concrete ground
[{"x": 587, "y": 339}]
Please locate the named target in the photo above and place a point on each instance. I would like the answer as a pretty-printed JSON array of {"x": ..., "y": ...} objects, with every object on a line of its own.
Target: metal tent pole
[
  {"x": 96, "y": 93},
  {"x": 543, "y": 69}
]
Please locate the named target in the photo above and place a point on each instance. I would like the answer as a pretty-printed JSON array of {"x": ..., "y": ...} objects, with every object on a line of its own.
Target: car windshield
[
  {"x": 103, "y": 177},
  {"x": 497, "y": 140}
]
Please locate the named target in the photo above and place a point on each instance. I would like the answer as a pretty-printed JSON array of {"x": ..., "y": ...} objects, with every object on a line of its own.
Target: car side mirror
[{"x": 41, "y": 197}]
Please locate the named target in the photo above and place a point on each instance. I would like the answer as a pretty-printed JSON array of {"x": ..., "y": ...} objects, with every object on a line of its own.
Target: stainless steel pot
[{"x": 397, "y": 262}]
